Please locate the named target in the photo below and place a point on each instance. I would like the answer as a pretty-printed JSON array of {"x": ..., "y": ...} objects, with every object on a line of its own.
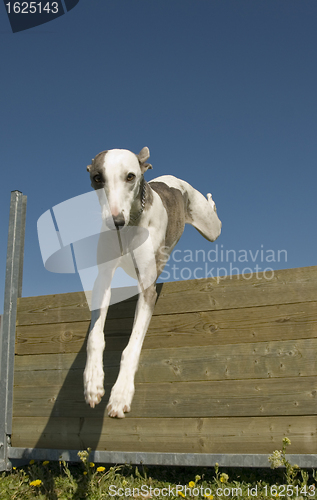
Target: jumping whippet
[{"x": 163, "y": 207}]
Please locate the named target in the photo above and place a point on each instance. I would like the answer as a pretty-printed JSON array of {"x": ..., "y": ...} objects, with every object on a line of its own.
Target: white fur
[{"x": 122, "y": 198}]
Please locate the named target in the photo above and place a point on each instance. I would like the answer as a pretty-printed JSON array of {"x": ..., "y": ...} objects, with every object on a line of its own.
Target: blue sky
[{"x": 222, "y": 92}]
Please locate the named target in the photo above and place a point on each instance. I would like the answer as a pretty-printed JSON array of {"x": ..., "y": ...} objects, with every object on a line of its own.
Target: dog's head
[{"x": 119, "y": 173}]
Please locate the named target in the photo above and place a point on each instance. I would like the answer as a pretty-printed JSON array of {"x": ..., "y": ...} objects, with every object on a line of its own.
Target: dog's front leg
[
  {"x": 93, "y": 374},
  {"x": 123, "y": 390}
]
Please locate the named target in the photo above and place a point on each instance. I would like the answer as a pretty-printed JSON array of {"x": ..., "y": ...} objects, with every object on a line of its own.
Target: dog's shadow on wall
[{"x": 72, "y": 424}]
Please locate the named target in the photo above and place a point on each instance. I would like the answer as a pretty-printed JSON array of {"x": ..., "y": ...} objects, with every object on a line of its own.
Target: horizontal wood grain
[
  {"x": 228, "y": 366},
  {"x": 262, "y": 397},
  {"x": 286, "y": 286},
  {"x": 181, "y": 435},
  {"x": 231, "y": 326},
  {"x": 283, "y": 359}
]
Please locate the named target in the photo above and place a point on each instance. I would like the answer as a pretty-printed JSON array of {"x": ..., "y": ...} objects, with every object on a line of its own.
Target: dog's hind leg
[
  {"x": 123, "y": 390},
  {"x": 202, "y": 214}
]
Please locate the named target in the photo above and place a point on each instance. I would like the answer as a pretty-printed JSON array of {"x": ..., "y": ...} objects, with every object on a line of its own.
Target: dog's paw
[
  {"x": 93, "y": 384},
  {"x": 120, "y": 400},
  {"x": 211, "y": 202}
]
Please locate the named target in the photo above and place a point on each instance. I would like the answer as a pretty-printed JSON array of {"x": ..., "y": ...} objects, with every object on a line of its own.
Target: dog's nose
[{"x": 118, "y": 220}]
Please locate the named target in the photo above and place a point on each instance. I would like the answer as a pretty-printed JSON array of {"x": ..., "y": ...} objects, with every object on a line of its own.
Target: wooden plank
[
  {"x": 230, "y": 362},
  {"x": 286, "y": 286},
  {"x": 59, "y": 361},
  {"x": 55, "y": 308},
  {"x": 62, "y": 378},
  {"x": 181, "y": 435},
  {"x": 65, "y": 307},
  {"x": 63, "y": 338},
  {"x": 226, "y": 362},
  {"x": 55, "y": 338},
  {"x": 226, "y": 398},
  {"x": 37, "y": 432},
  {"x": 231, "y": 326}
]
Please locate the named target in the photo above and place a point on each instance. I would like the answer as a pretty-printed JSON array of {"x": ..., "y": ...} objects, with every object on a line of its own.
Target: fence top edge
[{"x": 298, "y": 272}]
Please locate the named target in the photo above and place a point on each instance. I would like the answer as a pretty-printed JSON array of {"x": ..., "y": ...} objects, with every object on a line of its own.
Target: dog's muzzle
[{"x": 118, "y": 220}]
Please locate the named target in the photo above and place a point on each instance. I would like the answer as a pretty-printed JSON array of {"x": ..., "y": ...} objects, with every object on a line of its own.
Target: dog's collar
[{"x": 135, "y": 217}]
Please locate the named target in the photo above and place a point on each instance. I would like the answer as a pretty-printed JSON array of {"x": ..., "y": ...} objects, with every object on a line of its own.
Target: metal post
[{"x": 13, "y": 290}]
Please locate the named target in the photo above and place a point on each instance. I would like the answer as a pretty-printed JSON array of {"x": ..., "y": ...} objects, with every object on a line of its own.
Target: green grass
[{"x": 85, "y": 480}]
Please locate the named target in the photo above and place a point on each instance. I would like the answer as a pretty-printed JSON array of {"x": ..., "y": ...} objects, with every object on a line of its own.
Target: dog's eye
[
  {"x": 98, "y": 178},
  {"x": 130, "y": 177}
]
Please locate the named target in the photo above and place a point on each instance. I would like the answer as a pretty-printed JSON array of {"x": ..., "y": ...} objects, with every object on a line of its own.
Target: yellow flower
[
  {"x": 101, "y": 469},
  {"x": 91, "y": 464},
  {"x": 191, "y": 484},
  {"x": 46, "y": 462},
  {"x": 31, "y": 462},
  {"x": 37, "y": 482},
  {"x": 224, "y": 477},
  {"x": 210, "y": 497},
  {"x": 85, "y": 472},
  {"x": 14, "y": 468},
  {"x": 181, "y": 494}
]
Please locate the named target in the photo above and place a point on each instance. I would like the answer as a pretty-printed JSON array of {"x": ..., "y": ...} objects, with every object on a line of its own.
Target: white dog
[{"x": 161, "y": 207}]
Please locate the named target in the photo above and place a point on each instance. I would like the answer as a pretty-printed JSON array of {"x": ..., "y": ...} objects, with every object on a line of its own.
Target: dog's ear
[
  {"x": 142, "y": 157},
  {"x": 89, "y": 166}
]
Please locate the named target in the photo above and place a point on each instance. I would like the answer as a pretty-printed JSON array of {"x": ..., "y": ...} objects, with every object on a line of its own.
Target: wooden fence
[{"x": 228, "y": 366}]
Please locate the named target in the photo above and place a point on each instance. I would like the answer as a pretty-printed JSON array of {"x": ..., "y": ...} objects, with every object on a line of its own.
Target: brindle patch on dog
[{"x": 175, "y": 203}]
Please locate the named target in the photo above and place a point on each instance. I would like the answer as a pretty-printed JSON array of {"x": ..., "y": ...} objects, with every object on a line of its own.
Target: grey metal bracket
[{"x": 13, "y": 290}]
